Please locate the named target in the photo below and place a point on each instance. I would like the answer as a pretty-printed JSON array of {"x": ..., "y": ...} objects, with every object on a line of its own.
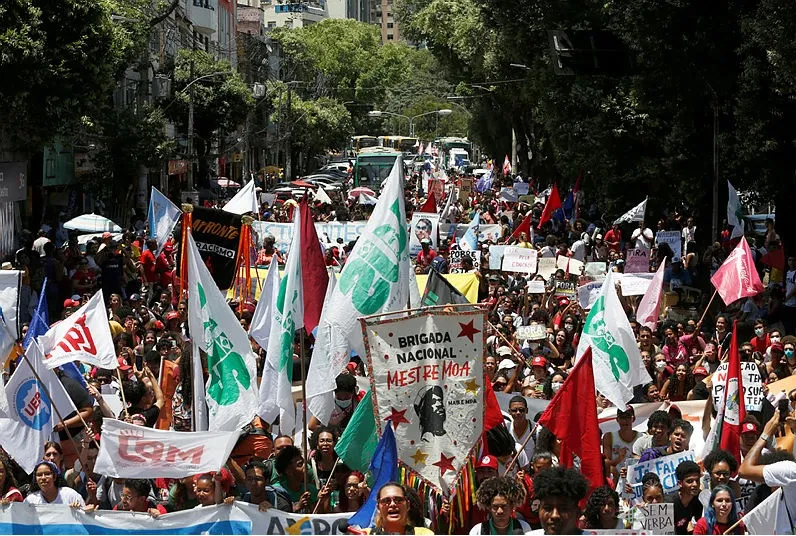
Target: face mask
[
  {"x": 569, "y": 327},
  {"x": 789, "y": 354},
  {"x": 759, "y": 332},
  {"x": 533, "y": 345},
  {"x": 555, "y": 386},
  {"x": 774, "y": 339},
  {"x": 660, "y": 365},
  {"x": 343, "y": 404}
]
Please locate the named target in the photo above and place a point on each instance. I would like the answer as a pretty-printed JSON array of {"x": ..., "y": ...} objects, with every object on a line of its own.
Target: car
[{"x": 336, "y": 166}]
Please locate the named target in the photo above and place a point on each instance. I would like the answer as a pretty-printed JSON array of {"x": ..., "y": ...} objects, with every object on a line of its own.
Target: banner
[
  {"x": 238, "y": 518},
  {"x": 424, "y": 225},
  {"x": 522, "y": 188},
  {"x": 663, "y": 467},
  {"x": 519, "y": 260},
  {"x": 455, "y": 260},
  {"x": 217, "y": 234},
  {"x": 426, "y": 375},
  {"x": 634, "y": 284},
  {"x": 564, "y": 288},
  {"x": 588, "y": 293},
  {"x": 10, "y": 283},
  {"x": 637, "y": 261},
  {"x": 674, "y": 239},
  {"x": 752, "y": 386},
  {"x": 130, "y": 451}
]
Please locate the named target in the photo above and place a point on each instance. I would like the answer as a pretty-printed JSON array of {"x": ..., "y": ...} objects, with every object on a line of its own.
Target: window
[
  {"x": 271, "y": 24},
  {"x": 389, "y": 37},
  {"x": 390, "y": 25}
]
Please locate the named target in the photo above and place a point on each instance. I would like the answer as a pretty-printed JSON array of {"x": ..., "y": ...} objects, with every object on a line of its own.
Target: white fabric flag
[
  {"x": 322, "y": 196},
  {"x": 10, "y": 306},
  {"x": 83, "y": 336},
  {"x": 375, "y": 279},
  {"x": 32, "y": 412},
  {"x": 634, "y": 214},
  {"x": 734, "y": 212},
  {"x": 244, "y": 201},
  {"x": 163, "y": 215},
  {"x": 616, "y": 357},
  {"x": 231, "y": 394},
  {"x": 7, "y": 342},
  {"x": 469, "y": 241},
  {"x": 260, "y": 328},
  {"x": 768, "y": 516},
  {"x": 287, "y": 316},
  {"x": 131, "y": 451},
  {"x": 650, "y": 305}
]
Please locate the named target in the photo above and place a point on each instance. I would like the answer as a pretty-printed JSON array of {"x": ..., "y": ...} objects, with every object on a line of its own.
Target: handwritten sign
[
  {"x": 546, "y": 267},
  {"x": 455, "y": 259},
  {"x": 637, "y": 261},
  {"x": 519, "y": 260},
  {"x": 673, "y": 238},
  {"x": 655, "y": 518},
  {"x": 635, "y": 284},
  {"x": 752, "y": 386},
  {"x": 575, "y": 267},
  {"x": 465, "y": 189},
  {"x": 533, "y": 332},
  {"x": 536, "y": 287},
  {"x": 663, "y": 467},
  {"x": 595, "y": 268}
]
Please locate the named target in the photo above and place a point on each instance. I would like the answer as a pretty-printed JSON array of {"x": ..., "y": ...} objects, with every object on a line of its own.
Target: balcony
[{"x": 203, "y": 14}]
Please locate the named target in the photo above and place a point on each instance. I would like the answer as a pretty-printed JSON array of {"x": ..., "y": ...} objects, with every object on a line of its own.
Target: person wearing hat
[
  {"x": 538, "y": 376},
  {"x": 426, "y": 255},
  {"x": 618, "y": 446}
]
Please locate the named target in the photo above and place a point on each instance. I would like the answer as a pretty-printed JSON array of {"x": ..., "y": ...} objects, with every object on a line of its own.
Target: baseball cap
[
  {"x": 106, "y": 235},
  {"x": 749, "y": 427},
  {"x": 68, "y": 303},
  {"x": 76, "y": 297},
  {"x": 506, "y": 364},
  {"x": 777, "y": 346},
  {"x": 123, "y": 364},
  {"x": 158, "y": 325},
  {"x": 700, "y": 370},
  {"x": 425, "y": 241},
  {"x": 172, "y": 315},
  {"x": 504, "y": 350},
  {"x": 135, "y": 297},
  {"x": 539, "y": 361},
  {"x": 487, "y": 462},
  {"x": 563, "y": 300},
  {"x": 351, "y": 366}
]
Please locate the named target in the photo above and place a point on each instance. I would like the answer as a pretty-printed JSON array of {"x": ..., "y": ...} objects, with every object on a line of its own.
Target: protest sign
[
  {"x": 637, "y": 261},
  {"x": 532, "y": 332},
  {"x": 437, "y": 186},
  {"x": 614, "y": 531},
  {"x": 519, "y": 260},
  {"x": 663, "y": 467},
  {"x": 575, "y": 267},
  {"x": 130, "y": 451},
  {"x": 588, "y": 293},
  {"x": 465, "y": 189},
  {"x": 546, "y": 267},
  {"x": 562, "y": 263},
  {"x": 522, "y": 188},
  {"x": 426, "y": 382},
  {"x": 752, "y": 386},
  {"x": 655, "y": 518},
  {"x": 508, "y": 194},
  {"x": 673, "y": 238},
  {"x": 595, "y": 268},
  {"x": 564, "y": 288},
  {"x": 496, "y": 257},
  {"x": 424, "y": 225},
  {"x": 635, "y": 284},
  {"x": 455, "y": 260},
  {"x": 217, "y": 234},
  {"x": 347, "y": 231},
  {"x": 536, "y": 287}
]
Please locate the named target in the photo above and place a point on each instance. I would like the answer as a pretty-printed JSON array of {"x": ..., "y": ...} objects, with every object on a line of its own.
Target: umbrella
[
  {"x": 366, "y": 199},
  {"x": 356, "y": 192},
  {"x": 302, "y": 184},
  {"x": 226, "y": 183},
  {"x": 92, "y": 223}
]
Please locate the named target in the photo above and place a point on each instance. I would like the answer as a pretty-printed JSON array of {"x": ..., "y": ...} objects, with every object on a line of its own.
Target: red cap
[
  {"x": 123, "y": 364},
  {"x": 68, "y": 303},
  {"x": 700, "y": 370},
  {"x": 168, "y": 248},
  {"x": 563, "y": 300},
  {"x": 777, "y": 346},
  {"x": 172, "y": 315},
  {"x": 749, "y": 427},
  {"x": 488, "y": 461},
  {"x": 159, "y": 325},
  {"x": 106, "y": 235},
  {"x": 351, "y": 366},
  {"x": 539, "y": 361}
]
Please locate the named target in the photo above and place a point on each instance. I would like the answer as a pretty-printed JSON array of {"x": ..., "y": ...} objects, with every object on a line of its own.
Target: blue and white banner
[
  {"x": 163, "y": 215},
  {"x": 238, "y": 518}
]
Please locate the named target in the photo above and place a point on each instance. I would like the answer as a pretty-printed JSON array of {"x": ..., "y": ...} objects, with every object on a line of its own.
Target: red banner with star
[{"x": 426, "y": 375}]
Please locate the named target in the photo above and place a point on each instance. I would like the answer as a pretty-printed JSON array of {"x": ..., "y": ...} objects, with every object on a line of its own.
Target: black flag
[{"x": 440, "y": 292}]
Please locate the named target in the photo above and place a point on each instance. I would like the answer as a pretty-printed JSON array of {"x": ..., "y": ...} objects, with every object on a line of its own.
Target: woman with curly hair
[
  {"x": 499, "y": 497},
  {"x": 677, "y": 386},
  {"x": 393, "y": 512},
  {"x": 323, "y": 457},
  {"x": 602, "y": 509}
]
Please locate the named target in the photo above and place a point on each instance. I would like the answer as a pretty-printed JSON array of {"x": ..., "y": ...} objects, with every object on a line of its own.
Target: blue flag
[
  {"x": 39, "y": 326},
  {"x": 567, "y": 208},
  {"x": 163, "y": 215},
  {"x": 384, "y": 467},
  {"x": 485, "y": 182},
  {"x": 470, "y": 238}
]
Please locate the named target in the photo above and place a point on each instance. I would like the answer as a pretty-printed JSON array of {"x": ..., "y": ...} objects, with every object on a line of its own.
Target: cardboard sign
[
  {"x": 546, "y": 267},
  {"x": 533, "y": 332},
  {"x": 654, "y": 518},
  {"x": 637, "y": 261},
  {"x": 496, "y": 257},
  {"x": 536, "y": 287},
  {"x": 595, "y": 268},
  {"x": 588, "y": 293},
  {"x": 522, "y": 188},
  {"x": 562, "y": 263},
  {"x": 465, "y": 189},
  {"x": 455, "y": 260},
  {"x": 564, "y": 288},
  {"x": 663, "y": 467},
  {"x": 519, "y": 260},
  {"x": 673, "y": 238},
  {"x": 575, "y": 267},
  {"x": 752, "y": 385}
]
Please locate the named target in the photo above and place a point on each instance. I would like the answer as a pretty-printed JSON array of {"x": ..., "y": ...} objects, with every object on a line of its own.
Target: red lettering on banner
[
  {"x": 33, "y": 406},
  {"x": 138, "y": 450},
  {"x": 193, "y": 455},
  {"x": 124, "y": 449},
  {"x": 405, "y": 377},
  {"x": 78, "y": 338}
]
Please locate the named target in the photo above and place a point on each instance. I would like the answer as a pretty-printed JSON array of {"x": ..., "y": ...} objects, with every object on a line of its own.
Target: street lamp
[
  {"x": 379, "y": 113},
  {"x": 443, "y": 112}
]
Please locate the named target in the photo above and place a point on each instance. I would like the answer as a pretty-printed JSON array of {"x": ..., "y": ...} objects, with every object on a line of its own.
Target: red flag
[
  {"x": 314, "y": 276},
  {"x": 493, "y": 416},
  {"x": 523, "y": 227},
  {"x": 430, "y": 205},
  {"x": 734, "y": 407},
  {"x": 737, "y": 278},
  {"x": 553, "y": 204},
  {"x": 572, "y": 417}
]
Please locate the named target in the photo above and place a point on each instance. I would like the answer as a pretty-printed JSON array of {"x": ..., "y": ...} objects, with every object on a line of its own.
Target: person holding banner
[{"x": 49, "y": 487}]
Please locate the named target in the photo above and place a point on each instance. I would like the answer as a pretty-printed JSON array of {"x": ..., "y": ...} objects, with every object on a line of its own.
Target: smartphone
[
  {"x": 784, "y": 409},
  {"x": 139, "y": 362}
]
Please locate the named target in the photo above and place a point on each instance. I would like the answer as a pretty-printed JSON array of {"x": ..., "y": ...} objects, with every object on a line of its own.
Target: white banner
[
  {"x": 331, "y": 231},
  {"x": 130, "y": 451},
  {"x": 10, "y": 281},
  {"x": 634, "y": 284},
  {"x": 663, "y": 467},
  {"x": 427, "y": 383},
  {"x": 238, "y": 518},
  {"x": 424, "y": 225},
  {"x": 519, "y": 260},
  {"x": 752, "y": 386},
  {"x": 83, "y": 336},
  {"x": 588, "y": 293}
]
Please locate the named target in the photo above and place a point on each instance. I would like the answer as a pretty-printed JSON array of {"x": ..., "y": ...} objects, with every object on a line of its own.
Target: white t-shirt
[
  {"x": 530, "y": 445},
  {"x": 526, "y": 528},
  {"x": 65, "y": 496},
  {"x": 783, "y": 474}
]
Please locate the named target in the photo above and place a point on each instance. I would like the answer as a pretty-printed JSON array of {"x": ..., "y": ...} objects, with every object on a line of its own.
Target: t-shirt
[
  {"x": 518, "y": 527},
  {"x": 783, "y": 474},
  {"x": 65, "y": 496},
  {"x": 147, "y": 260},
  {"x": 683, "y": 514},
  {"x": 718, "y": 528}
]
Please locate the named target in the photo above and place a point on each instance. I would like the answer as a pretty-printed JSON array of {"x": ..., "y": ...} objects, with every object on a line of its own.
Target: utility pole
[
  {"x": 190, "y": 135},
  {"x": 288, "y": 146}
]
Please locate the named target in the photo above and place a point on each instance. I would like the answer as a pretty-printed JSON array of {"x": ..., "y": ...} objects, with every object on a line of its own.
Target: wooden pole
[
  {"x": 304, "y": 402},
  {"x": 331, "y": 475},
  {"x": 517, "y": 454},
  {"x": 121, "y": 389},
  {"x": 707, "y": 308},
  {"x": 187, "y": 222}
]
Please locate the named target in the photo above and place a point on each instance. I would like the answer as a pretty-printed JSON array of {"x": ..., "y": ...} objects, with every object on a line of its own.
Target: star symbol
[
  {"x": 397, "y": 417},
  {"x": 468, "y": 330},
  {"x": 444, "y": 463},
  {"x": 471, "y": 386},
  {"x": 419, "y": 457}
]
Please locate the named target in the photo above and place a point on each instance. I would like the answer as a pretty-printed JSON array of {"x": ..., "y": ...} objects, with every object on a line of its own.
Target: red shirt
[
  {"x": 150, "y": 271},
  {"x": 760, "y": 345},
  {"x": 424, "y": 259},
  {"x": 611, "y": 237},
  {"x": 163, "y": 269}
]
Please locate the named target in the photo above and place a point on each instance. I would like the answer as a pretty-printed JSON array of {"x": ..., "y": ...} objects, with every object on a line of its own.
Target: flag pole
[
  {"x": 337, "y": 461},
  {"x": 522, "y": 448},
  {"x": 304, "y": 402},
  {"x": 708, "y": 307},
  {"x": 121, "y": 389}
]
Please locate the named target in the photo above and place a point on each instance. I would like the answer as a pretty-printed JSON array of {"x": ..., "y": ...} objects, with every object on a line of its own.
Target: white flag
[
  {"x": 616, "y": 357},
  {"x": 231, "y": 394},
  {"x": 322, "y": 196},
  {"x": 375, "y": 279},
  {"x": 634, "y": 214},
  {"x": 32, "y": 412},
  {"x": 287, "y": 316},
  {"x": 470, "y": 239},
  {"x": 7, "y": 342},
  {"x": 649, "y": 307},
  {"x": 244, "y": 201},
  {"x": 260, "y": 328},
  {"x": 163, "y": 215},
  {"x": 83, "y": 336},
  {"x": 131, "y": 451},
  {"x": 770, "y": 516},
  {"x": 734, "y": 212}
]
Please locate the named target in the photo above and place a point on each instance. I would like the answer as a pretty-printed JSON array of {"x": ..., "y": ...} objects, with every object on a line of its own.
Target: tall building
[{"x": 382, "y": 14}]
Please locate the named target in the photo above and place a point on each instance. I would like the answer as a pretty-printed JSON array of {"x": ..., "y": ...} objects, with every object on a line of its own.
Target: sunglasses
[{"x": 386, "y": 501}]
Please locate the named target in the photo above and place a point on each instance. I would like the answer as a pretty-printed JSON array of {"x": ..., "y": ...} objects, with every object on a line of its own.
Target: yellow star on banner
[
  {"x": 471, "y": 386},
  {"x": 419, "y": 457}
]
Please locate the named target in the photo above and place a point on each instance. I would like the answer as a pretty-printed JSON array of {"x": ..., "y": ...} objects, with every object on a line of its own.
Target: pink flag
[
  {"x": 649, "y": 306},
  {"x": 507, "y": 166},
  {"x": 737, "y": 278}
]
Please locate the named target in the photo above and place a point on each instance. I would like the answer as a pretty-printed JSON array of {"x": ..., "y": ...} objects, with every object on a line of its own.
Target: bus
[
  {"x": 362, "y": 142},
  {"x": 404, "y": 144},
  {"x": 446, "y": 144},
  {"x": 373, "y": 165}
]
